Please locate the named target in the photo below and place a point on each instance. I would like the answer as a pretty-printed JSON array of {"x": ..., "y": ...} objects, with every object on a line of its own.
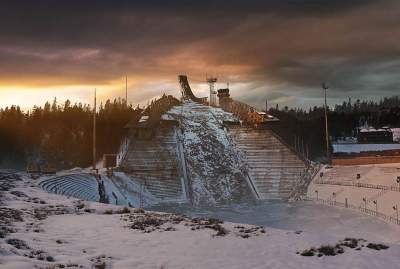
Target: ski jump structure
[
  {"x": 187, "y": 91},
  {"x": 156, "y": 164}
]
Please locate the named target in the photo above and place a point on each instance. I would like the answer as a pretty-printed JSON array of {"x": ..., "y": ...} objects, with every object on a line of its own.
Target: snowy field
[
  {"x": 358, "y": 148},
  {"x": 50, "y": 231},
  {"x": 378, "y": 177}
]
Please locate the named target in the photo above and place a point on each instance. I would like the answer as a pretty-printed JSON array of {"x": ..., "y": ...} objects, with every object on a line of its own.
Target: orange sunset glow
[{"x": 282, "y": 50}]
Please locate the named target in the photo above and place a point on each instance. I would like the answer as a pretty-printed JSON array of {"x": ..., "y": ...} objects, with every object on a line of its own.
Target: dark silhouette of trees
[
  {"x": 308, "y": 125},
  {"x": 61, "y": 134}
]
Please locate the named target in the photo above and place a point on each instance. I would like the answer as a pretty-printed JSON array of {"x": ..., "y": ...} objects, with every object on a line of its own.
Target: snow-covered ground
[
  {"x": 43, "y": 230},
  {"x": 338, "y": 178}
]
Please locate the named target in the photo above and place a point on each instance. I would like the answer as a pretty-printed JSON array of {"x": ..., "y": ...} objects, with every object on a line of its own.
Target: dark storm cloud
[
  {"x": 107, "y": 23},
  {"x": 282, "y": 49}
]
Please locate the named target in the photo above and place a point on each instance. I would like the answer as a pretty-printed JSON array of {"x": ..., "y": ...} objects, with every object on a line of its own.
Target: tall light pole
[
  {"x": 213, "y": 94},
  {"x": 94, "y": 131},
  {"x": 126, "y": 90},
  {"x": 325, "y": 87}
]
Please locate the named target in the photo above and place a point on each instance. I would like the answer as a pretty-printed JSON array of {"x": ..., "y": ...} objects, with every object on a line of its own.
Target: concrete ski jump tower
[
  {"x": 213, "y": 94},
  {"x": 187, "y": 91}
]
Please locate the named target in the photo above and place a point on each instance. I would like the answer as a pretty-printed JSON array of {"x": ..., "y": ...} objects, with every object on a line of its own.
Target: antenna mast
[
  {"x": 213, "y": 94},
  {"x": 325, "y": 87}
]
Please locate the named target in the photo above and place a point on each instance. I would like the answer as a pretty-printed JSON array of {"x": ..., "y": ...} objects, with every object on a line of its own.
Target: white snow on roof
[
  {"x": 144, "y": 118},
  {"x": 370, "y": 130},
  {"x": 396, "y": 134}
]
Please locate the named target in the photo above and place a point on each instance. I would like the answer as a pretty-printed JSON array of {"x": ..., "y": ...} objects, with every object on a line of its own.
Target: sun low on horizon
[{"x": 26, "y": 96}]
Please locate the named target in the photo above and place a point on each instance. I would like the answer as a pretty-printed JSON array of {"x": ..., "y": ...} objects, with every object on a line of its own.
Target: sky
[{"x": 280, "y": 50}]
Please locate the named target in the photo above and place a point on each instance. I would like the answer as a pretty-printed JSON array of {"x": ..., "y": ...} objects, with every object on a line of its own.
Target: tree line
[
  {"x": 62, "y": 133},
  {"x": 307, "y": 127}
]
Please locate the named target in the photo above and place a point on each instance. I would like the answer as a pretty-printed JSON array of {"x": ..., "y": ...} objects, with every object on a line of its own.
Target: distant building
[
  {"x": 224, "y": 98},
  {"x": 244, "y": 112},
  {"x": 372, "y": 146},
  {"x": 371, "y": 135}
]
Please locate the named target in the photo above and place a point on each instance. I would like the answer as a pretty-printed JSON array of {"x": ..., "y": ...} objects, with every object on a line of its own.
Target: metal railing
[
  {"x": 364, "y": 210},
  {"x": 395, "y": 187}
]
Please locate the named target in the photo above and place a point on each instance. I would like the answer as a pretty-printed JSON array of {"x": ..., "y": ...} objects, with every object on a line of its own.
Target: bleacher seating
[
  {"x": 346, "y": 173},
  {"x": 273, "y": 167},
  {"x": 154, "y": 164},
  {"x": 377, "y": 185},
  {"x": 83, "y": 186}
]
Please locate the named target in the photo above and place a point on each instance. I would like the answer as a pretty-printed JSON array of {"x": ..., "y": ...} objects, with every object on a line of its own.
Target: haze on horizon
[{"x": 279, "y": 49}]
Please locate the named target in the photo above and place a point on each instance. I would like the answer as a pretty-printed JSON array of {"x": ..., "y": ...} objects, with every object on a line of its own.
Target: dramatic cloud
[{"x": 280, "y": 49}]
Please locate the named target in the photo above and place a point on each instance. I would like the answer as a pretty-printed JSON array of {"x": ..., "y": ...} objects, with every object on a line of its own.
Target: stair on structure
[
  {"x": 154, "y": 164},
  {"x": 272, "y": 166}
]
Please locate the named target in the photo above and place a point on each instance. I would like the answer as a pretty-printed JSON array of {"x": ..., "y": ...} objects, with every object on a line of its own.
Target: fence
[
  {"x": 370, "y": 212},
  {"x": 360, "y": 185}
]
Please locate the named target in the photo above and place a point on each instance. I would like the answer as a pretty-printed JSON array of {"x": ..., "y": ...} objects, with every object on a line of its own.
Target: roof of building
[{"x": 371, "y": 130}]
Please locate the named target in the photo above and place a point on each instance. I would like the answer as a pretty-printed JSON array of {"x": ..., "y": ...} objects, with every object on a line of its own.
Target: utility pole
[
  {"x": 94, "y": 131},
  {"x": 325, "y": 87},
  {"x": 126, "y": 90},
  {"x": 266, "y": 105}
]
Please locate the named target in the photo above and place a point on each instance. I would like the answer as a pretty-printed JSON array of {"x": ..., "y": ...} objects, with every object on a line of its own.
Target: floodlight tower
[{"x": 213, "y": 94}]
